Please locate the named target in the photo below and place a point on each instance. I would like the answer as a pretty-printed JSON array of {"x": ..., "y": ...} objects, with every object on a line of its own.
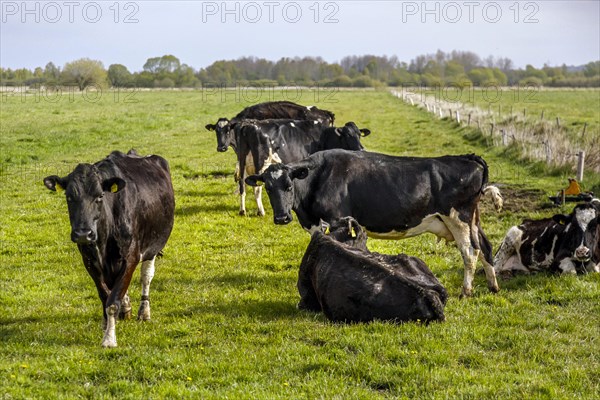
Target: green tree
[
  {"x": 119, "y": 76},
  {"x": 83, "y": 73}
]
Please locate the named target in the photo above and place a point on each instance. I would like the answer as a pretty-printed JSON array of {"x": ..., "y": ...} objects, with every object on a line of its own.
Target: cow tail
[{"x": 488, "y": 190}]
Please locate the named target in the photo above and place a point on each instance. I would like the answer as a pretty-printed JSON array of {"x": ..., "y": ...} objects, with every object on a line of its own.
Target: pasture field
[{"x": 225, "y": 323}]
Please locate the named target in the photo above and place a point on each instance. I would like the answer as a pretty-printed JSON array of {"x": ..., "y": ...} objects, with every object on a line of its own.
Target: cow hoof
[
  {"x": 466, "y": 293},
  {"x": 260, "y": 213},
  {"x": 125, "y": 315},
  {"x": 144, "y": 311},
  {"x": 109, "y": 344},
  {"x": 494, "y": 289},
  {"x": 242, "y": 213}
]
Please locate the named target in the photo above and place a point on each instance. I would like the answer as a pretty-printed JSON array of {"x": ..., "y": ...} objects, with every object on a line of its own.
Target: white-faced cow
[
  {"x": 262, "y": 143},
  {"x": 121, "y": 211},
  {"x": 349, "y": 284},
  {"x": 391, "y": 197},
  {"x": 563, "y": 243}
]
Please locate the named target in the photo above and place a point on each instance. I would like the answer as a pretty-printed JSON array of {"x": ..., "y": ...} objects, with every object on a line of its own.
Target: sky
[{"x": 201, "y": 32}]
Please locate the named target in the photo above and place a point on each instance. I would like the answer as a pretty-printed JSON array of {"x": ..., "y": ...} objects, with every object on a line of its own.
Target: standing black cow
[
  {"x": 392, "y": 197},
  {"x": 268, "y": 110},
  {"x": 262, "y": 143},
  {"x": 349, "y": 284},
  {"x": 563, "y": 243},
  {"x": 121, "y": 211}
]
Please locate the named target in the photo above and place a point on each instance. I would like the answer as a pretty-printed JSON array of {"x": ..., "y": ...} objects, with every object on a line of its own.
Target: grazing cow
[
  {"x": 268, "y": 110},
  {"x": 262, "y": 143},
  {"x": 563, "y": 243},
  {"x": 349, "y": 284},
  {"x": 392, "y": 197},
  {"x": 121, "y": 211}
]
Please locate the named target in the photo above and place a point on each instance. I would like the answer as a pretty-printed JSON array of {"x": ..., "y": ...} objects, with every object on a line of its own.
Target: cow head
[
  {"x": 224, "y": 133},
  {"x": 579, "y": 249},
  {"x": 346, "y": 137},
  {"x": 346, "y": 230},
  {"x": 84, "y": 190},
  {"x": 278, "y": 181}
]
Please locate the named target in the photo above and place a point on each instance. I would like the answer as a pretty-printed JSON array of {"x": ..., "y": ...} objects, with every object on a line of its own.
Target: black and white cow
[
  {"x": 391, "y": 197},
  {"x": 266, "y": 142},
  {"x": 225, "y": 132},
  {"x": 563, "y": 243},
  {"x": 269, "y": 110},
  {"x": 349, "y": 284},
  {"x": 121, "y": 211}
]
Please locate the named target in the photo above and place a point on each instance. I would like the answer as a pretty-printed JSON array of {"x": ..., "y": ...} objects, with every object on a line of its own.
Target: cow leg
[
  {"x": 308, "y": 296},
  {"x": 258, "y": 198},
  {"x": 485, "y": 256},
  {"x": 507, "y": 249},
  {"x": 461, "y": 231},
  {"x": 125, "y": 309},
  {"x": 242, "y": 202},
  {"x": 147, "y": 275},
  {"x": 115, "y": 298}
]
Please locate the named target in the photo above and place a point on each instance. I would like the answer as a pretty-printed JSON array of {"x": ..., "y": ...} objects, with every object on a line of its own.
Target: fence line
[{"x": 542, "y": 139}]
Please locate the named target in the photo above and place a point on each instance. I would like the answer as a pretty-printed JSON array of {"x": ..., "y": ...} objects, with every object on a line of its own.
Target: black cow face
[
  {"x": 346, "y": 230},
  {"x": 278, "y": 181},
  {"x": 224, "y": 133},
  {"x": 581, "y": 237},
  {"x": 85, "y": 199},
  {"x": 346, "y": 137}
]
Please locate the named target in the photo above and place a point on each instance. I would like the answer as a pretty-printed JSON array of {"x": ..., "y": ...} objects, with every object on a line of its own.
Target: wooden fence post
[
  {"x": 504, "y": 137},
  {"x": 492, "y": 129},
  {"x": 557, "y": 122},
  {"x": 583, "y": 133},
  {"x": 469, "y": 120},
  {"x": 457, "y": 117},
  {"x": 580, "y": 165},
  {"x": 542, "y": 117}
]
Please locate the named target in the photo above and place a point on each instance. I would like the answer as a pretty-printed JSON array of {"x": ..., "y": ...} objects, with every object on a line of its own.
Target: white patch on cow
[
  {"x": 496, "y": 196},
  {"x": 292, "y": 125},
  {"x": 596, "y": 268},
  {"x": 309, "y": 108},
  {"x": 243, "y": 203},
  {"x": 509, "y": 249},
  {"x": 222, "y": 123},
  {"x": 250, "y": 170},
  {"x": 430, "y": 223},
  {"x": 110, "y": 336},
  {"x": 377, "y": 288},
  {"x": 584, "y": 217},
  {"x": 566, "y": 266},
  {"x": 258, "y": 198},
  {"x": 277, "y": 174},
  {"x": 147, "y": 272},
  {"x": 273, "y": 158},
  {"x": 315, "y": 122}
]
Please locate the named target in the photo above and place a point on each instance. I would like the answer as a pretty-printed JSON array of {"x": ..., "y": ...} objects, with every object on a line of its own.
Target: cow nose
[
  {"x": 282, "y": 219},
  {"x": 83, "y": 236},
  {"x": 222, "y": 149},
  {"x": 582, "y": 253}
]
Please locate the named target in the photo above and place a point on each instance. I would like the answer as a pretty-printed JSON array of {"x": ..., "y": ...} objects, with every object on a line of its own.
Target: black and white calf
[
  {"x": 349, "y": 284},
  {"x": 563, "y": 243},
  {"x": 391, "y": 197},
  {"x": 121, "y": 211},
  {"x": 262, "y": 143}
]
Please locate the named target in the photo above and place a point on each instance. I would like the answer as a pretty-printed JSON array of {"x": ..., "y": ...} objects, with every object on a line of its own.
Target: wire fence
[{"x": 541, "y": 139}]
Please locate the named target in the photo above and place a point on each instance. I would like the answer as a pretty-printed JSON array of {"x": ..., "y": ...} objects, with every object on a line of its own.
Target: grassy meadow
[{"x": 224, "y": 318}]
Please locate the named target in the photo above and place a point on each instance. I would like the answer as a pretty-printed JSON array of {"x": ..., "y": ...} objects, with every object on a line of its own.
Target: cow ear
[
  {"x": 55, "y": 183},
  {"x": 299, "y": 173},
  {"x": 113, "y": 185},
  {"x": 355, "y": 228},
  {"x": 365, "y": 132},
  {"x": 254, "y": 180},
  {"x": 210, "y": 127},
  {"x": 562, "y": 219},
  {"x": 325, "y": 227}
]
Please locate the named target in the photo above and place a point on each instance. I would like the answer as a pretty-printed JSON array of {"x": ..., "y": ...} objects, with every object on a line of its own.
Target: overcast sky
[{"x": 201, "y": 32}]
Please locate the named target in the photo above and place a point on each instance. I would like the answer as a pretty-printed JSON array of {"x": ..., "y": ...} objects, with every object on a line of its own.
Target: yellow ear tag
[
  {"x": 114, "y": 188},
  {"x": 58, "y": 187},
  {"x": 352, "y": 232},
  {"x": 327, "y": 231}
]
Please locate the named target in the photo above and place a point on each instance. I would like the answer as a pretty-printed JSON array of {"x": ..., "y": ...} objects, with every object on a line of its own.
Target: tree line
[{"x": 458, "y": 68}]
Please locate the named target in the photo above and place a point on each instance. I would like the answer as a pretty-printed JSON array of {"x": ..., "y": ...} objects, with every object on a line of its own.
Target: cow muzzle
[
  {"x": 221, "y": 149},
  {"x": 582, "y": 254},
  {"x": 83, "y": 236},
  {"x": 282, "y": 219}
]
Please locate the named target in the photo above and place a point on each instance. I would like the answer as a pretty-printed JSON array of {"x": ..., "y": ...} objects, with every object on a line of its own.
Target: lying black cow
[
  {"x": 262, "y": 143},
  {"x": 121, "y": 211},
  {"x": 268, "y": 110},
  {"x": 392, "y": 197},
  {"x": 563, "y": 243},
  {"x": 350, "y": 284}
]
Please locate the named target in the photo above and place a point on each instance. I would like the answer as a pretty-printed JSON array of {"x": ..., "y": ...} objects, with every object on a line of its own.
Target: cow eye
[{"x": 289, "y": 189}]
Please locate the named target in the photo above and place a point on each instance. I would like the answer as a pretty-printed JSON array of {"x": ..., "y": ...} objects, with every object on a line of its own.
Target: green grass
[{"x": 224, "y": 322}]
